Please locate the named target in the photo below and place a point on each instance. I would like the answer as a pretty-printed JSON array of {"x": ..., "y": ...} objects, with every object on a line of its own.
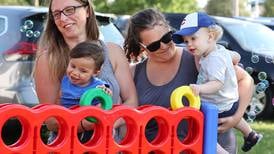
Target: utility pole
[{"x": 235, "y": 7}]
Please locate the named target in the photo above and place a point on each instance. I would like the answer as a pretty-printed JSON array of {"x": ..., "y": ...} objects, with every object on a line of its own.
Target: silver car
[{"x": 20, "y": 29}]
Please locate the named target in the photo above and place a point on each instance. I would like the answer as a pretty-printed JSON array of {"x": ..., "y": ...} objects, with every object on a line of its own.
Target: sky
[{"x": 201, "y": 3}]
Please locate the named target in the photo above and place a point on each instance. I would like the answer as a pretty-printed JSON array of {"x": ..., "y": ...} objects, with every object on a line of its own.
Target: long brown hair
[{"x": 57, "y": 49}]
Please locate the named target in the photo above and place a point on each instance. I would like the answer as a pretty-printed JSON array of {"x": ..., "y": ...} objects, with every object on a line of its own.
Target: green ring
[{"x": 99, "y": 93}]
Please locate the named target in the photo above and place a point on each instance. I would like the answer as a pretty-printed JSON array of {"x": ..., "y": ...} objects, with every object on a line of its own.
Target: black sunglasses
[{"x": 154, "y": 46}]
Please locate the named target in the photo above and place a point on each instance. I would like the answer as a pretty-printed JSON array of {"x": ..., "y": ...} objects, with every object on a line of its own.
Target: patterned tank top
[
  {"x": 160, "y": 95},
  {"x": 107, "y": 74}
]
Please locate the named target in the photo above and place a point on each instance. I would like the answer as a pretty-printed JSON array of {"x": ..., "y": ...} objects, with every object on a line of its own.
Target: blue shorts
[{"x": 230, "y": 112}]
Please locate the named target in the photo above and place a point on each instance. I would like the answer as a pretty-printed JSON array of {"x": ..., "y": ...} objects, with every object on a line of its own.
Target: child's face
[
  {"x": 80, "y": 70},
  {"x": 200, "y": 43}
]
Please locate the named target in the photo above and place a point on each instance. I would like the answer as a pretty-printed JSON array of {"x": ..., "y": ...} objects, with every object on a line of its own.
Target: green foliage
[
  {"x": 266, "y": 144},
  {"x": 224, "y": 8},
  {"x": 132, "y": 6},
  {"x": 269, "y": 8},
  {"x": 15, "y": 2},
  {"x": 126, "y": 6},
  {"x": 23, "y": 2},
  {"x": 219, "y": 7}
]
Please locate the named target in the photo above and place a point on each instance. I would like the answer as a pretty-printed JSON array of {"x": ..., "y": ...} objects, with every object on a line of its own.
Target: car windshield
[
  {"x": 252, "y": 37},
  {"x": 109, "y": 33}
]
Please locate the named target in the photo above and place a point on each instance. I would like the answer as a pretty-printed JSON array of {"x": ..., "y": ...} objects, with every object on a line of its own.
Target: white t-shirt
[{"x": 218, "y": 66}]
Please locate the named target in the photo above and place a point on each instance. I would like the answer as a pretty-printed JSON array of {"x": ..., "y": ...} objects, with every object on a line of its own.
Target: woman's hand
[
  {"x": 226, "y": 123},
  {"x": 106, "y": 89},
  {"x": 86, "y": 125},
  {"x": 245, "y": 88},
  {"x": 52, "y": 124}
]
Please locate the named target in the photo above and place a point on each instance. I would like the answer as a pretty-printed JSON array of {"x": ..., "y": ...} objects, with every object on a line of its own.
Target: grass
[{"x": 266, "y": 144}]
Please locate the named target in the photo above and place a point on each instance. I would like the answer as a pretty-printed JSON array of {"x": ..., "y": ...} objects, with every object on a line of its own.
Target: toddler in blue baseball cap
[
  {"x": 216, "y": 81},
  {"x": 191, "y": 24}
]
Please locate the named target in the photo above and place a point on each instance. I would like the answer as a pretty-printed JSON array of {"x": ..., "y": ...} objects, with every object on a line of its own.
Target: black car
[
  {"x": 254, "y": 42},
  {"x": 20, "y": 29}
]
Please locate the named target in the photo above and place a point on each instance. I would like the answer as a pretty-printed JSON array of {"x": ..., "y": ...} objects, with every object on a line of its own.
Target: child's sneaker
[{"x": 252, "y": 139}]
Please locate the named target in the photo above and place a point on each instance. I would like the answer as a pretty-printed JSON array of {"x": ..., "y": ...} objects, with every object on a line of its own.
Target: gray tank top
[
  {"x": 160, "y": 95},
  {"x": 107, "y": 74}
]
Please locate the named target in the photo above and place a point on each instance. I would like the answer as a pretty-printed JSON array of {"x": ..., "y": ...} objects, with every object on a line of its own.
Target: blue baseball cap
[{"x": 191, "y": 24}]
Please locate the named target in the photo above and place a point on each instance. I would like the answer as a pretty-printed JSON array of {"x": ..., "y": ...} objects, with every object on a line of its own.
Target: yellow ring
[{"x": 177, "y": 95}]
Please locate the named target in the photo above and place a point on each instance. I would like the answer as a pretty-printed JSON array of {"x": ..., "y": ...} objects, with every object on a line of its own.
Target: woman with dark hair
[{"x": 168, "y": 67}]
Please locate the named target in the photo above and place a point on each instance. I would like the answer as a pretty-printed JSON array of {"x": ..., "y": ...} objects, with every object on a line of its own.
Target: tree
[
  {"x": 24, "y": 2},
  {"x": 224, "y": 8},
  {"x": 268, "y": 8},
  {"x": 132, "y": 6},
  {"x": 15, "y": 2}
]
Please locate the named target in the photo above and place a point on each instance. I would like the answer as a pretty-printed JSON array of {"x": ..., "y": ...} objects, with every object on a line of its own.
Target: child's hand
[
  {"x": 106, "y": 89},
  {"x": 195, "y": 89},
  {"x": 98, "y": 105}
]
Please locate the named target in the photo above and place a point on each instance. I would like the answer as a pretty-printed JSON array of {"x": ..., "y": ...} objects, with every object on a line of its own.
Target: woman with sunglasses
[
  {"x": 70, "y": 22},
  {"x": 167, "y": 67}
]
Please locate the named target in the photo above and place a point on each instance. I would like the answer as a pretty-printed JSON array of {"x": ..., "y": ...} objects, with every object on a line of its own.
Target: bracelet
[{"x": 83, "y": 126}]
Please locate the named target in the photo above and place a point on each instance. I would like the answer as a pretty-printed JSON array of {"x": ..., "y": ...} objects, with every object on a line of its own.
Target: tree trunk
[
  {"x": 235, "y": 8},
  {"x": 36, "y": 3}
]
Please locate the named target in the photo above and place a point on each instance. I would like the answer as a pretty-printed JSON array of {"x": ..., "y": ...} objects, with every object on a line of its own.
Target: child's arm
[
  {"x": 235, "y": 56},
  {"x": 206, "y": 88}
]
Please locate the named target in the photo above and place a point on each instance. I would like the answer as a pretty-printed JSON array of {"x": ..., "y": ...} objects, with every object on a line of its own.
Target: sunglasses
[{"x": 154, "y": 46}]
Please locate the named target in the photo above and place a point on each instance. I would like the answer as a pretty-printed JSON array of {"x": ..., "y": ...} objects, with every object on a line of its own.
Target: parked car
[
  {"x": 121, "y": 21},
  {"x": 254, "y": 42},
  {"x": 20, "y": 29},
  {"x": 267, "y": 21}
]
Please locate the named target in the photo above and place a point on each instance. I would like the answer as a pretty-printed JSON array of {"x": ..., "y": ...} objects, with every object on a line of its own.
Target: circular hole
[
  {"x": 126, "y": 133},
  {"x": 93, "y": 133},
  {"x": 15, "y": 131},
  {"x": 47, "y": 135},
  {"x": 44, "y": 133},
  {"x": 156, "y": 130},
  {"x": 187, "y": 130},
  {"x": 182, "y": 130},
  {"x": 53, "y": 131},
  {"x": 185, "y": 101},
  {"x": 151, "y": 130},
  {"x": 11, "y": 131}
]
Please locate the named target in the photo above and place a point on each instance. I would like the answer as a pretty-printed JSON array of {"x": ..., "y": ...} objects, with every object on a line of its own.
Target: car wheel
[{"x": 261, "y": 104}]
